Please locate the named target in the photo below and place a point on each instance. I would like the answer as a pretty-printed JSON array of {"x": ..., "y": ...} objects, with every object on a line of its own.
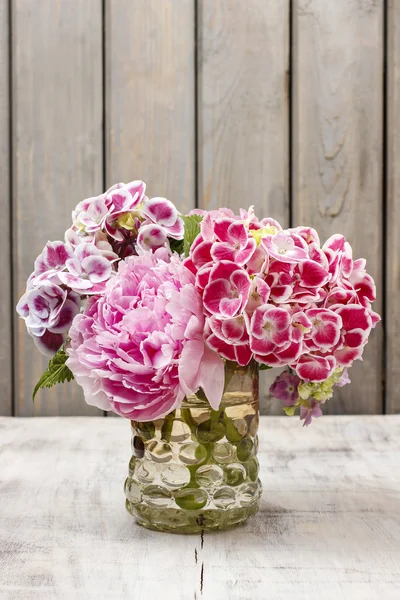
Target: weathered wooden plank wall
[
  {"x": 57, "y": 97},
  {"x": 5, "y": 238},
  {"x": 243, "y": 112},
  {"x": 337, "y": 149},
  {"x": 280, "y": 104},
  {"x": 150, "y": 88},
  {"x": 393, "y": 209}
]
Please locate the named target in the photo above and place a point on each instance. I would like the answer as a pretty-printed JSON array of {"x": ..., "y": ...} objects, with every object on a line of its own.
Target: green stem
[{"x": 167, "y": 426}]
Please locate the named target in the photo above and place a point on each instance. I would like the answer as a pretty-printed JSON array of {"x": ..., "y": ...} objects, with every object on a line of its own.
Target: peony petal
[{"x": 212, "y": 376}]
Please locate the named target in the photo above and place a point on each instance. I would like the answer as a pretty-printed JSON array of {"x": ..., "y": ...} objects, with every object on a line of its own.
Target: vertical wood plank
[
  {"x": 57, "y": 144},
  {"x": 393, "y": 210},
  {"x": 337, "y": 149},
  {"x": 5, "y": 238},
  {"x": 150, "y": 108},
  {"x": 243, "y": 113}
]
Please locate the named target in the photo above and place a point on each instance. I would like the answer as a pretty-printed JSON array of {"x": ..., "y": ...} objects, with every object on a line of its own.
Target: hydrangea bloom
[
  {"x": 125, "y": 207},
  {"x": 105, "y": 229},
  {"x": 48, "y": 311},
  {"x": 139, "y": 348},
  {"x": 279, "y": 297}
]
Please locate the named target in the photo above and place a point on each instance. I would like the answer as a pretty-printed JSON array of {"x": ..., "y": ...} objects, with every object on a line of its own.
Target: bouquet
[{"x": 144, "y": 306}]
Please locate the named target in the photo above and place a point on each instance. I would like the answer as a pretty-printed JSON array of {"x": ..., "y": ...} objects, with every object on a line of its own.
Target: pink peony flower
[
  {"x": 48, "y": 311},
  {"x": 139, "y": 348}
]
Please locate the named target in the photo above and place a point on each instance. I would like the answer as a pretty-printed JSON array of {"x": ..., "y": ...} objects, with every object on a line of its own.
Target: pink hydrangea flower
[
  {"x": 227, "y": 290},
  {"x": 285, "y": 388},
  {"x": 307, "y": 413},
  {"x": 125, "y": 207},
  {"x": 139, "y": 348},
  {"x": 52, "y": 260},
  {"x": 232, "y": 242},
  {"x": 87, "y": 271},
  {"x": 230, "y": 338},
  {"x": 344, "y": 379},
  {"x": 314, "y": 367},
  {"x": 48, "y": 311},
  {"x": 285, "y": 247}
]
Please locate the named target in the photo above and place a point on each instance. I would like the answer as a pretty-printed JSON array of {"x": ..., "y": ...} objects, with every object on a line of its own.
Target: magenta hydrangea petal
[
  {"x": 151, "y": 236},
  {"x": 314, "y": 368},
  {"x": 160, "y": 210},
  {"x": 175, "y": 231},
  {"x": 65, "y": 318},
  {"x": 97, "y": 268},
  {"x": 49, "y": 343}
]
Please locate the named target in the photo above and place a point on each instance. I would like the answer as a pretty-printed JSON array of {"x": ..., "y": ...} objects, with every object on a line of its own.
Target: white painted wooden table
[{"x": 329, "y": 525}]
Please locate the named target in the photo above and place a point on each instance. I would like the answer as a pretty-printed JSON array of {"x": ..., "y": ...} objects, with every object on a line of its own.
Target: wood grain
[
  {"x": 150, "y": 108},
  {"x": 5, "y": 238},
  {"x": 328, "y": 525},
  {"x": 57, "y": 143},
  {"x": 337, "y": 149},
  {"x": 393, "y": 210},
  {"x": 243, "y": 112}
]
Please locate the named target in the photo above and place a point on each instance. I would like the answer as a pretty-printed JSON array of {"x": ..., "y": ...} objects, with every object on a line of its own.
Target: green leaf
[
  {"x": 263, "y": 367},
  {"x": 56, "y": 372},
  {"x": 200, "y": 394},
  {"x": 289, "y": 410},
  {"x": 192, "y": 230},
  {"x": 176, "y": 246}
]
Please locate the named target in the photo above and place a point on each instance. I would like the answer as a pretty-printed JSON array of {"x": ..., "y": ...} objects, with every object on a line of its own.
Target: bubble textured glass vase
[{"x": 197, "y": 468}]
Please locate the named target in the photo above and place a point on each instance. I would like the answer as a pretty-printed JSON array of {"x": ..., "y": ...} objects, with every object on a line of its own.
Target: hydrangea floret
[{"x": 146, "y": 305}]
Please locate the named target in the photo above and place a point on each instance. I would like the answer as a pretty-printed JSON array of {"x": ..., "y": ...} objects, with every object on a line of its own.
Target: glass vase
[{"x": 197, "y": 468}]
